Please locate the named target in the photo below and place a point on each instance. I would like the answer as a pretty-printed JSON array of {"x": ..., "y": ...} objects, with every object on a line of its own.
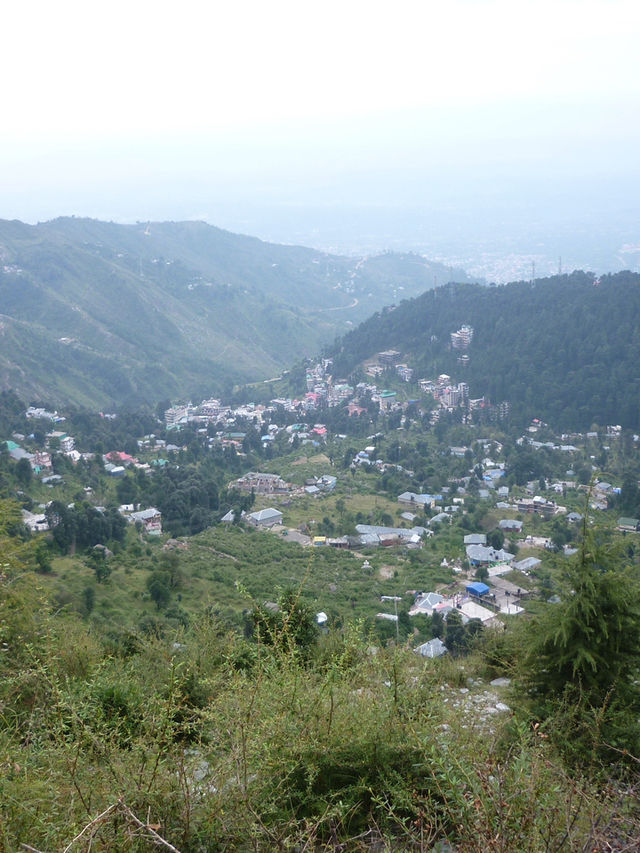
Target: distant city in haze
[{"x": 522, "y": 191}]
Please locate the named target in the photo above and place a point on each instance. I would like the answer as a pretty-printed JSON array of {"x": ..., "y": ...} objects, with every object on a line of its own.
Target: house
[
  {"x": 458, "y": 452},
  {"x": 479, "y": 555},
  {"x": 510, "y": 524},
  {"x": 18, "y": 453},
  {"x": 114, "y": 470},
  {"x": 36, "y": 522},
  {"x": 491, "y": 475},
  {"x": 527, "y": 565},
  {"x": 66, "y": 442},
  {"x": 118, "y": 457},
  {"x": 414, "y": 500},
  {"x": 426, "y": 603},
  {"x": 494, "y": 570},
  {"x": 629, "y": 525},
  {"x": 372, "y": 534},
  {"x": 431, "y": 649},
  {"x": 475, "y": 539},
  {"x": 404, "y": 372},
  {"x": 33, "y": 412},
  {"x": 261, "y": 484},
  {"x": 387, "y": 399},
  {"x": 151, "y": 520},
  {"x": 265, "y": 517},
  {"x": 536, "y": 505},
  {"x": 327, "y": 482},
  {"x": 41, "y": 461}
]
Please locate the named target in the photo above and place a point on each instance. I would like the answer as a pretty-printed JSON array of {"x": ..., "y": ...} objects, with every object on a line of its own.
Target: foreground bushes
[{"x": 369, "y": 750}]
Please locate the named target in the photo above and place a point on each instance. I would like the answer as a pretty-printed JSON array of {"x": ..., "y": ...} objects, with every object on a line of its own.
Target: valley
[{"x": 396, "y": 571}]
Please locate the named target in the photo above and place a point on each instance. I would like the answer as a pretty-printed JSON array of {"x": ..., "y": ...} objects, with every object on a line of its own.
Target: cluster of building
[
  {"x": 322, "y": 391},
  {"x": 225, "y": 418},
  {"x": 43, "y": 414},
  {"x": 374, "y": 536},
  {"x": 448, "y": 394},
  {"x": 40, "y": 460}
]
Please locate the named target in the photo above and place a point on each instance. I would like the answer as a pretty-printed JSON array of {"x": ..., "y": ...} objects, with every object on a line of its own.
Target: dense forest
[{"x": 563, "y": 349}]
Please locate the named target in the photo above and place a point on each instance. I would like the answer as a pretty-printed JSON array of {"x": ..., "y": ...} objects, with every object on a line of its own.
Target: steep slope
[
  {"x": 96, "y": 312},
  {"x": 564, "y": 349}
]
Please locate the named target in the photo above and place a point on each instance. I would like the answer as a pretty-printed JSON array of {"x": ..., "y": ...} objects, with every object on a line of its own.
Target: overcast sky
[{"x": 136, "y": 110}]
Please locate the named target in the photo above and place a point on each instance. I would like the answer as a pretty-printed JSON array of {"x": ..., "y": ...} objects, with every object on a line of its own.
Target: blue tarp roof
[{"x": 477, "y": 588}]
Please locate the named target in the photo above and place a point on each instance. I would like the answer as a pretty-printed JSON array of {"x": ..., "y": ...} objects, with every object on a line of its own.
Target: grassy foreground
[{"x": 204, "y": 741}]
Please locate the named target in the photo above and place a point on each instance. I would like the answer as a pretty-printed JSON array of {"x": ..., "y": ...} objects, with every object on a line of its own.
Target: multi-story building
[
  {"x": 67, "y": 442},
  {"x": 451, "y": 396},
  {"x": 208, "y": 408},
  {"x": 261, "y": 484},
  {"x": 176, "y": 415},
  {"x": 388, "y": 357},
  {"x": 462, "y": 338},
  {"x": 405, "y": 373}
]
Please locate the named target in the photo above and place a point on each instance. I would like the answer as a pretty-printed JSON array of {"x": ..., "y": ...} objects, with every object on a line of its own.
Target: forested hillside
[
  {"x": 564, "y": 349},
  {"x": 97, "y": 313}
]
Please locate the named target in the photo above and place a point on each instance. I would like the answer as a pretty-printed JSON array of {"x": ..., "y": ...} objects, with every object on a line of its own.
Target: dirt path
[{"x": 219, "y": 553}]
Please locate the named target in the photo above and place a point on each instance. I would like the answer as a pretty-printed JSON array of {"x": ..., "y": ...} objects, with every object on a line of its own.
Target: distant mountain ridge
[
  {"x": 97, "y": 313},
  {"x": 565, "y": 349}
]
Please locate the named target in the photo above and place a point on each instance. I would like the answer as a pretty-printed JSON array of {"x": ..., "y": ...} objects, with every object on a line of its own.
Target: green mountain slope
[
  {"x": 564, "y": 349},
  {"x": 100, "y": 313}
]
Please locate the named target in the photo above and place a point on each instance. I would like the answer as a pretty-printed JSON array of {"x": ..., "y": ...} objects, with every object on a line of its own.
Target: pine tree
[{"x": 584, "y": 654}]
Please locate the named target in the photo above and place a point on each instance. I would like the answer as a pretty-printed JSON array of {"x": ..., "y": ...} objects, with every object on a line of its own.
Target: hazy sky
[{"x": 135, "y": 110}]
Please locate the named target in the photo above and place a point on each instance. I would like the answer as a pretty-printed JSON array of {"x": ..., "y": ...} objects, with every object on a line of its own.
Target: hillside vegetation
[
  {"x": 283, "y": 739},
  {"x": 180, "y": 688},
  {"x": 563, "y": 349},
  {"x": 100, "y": 314}
]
